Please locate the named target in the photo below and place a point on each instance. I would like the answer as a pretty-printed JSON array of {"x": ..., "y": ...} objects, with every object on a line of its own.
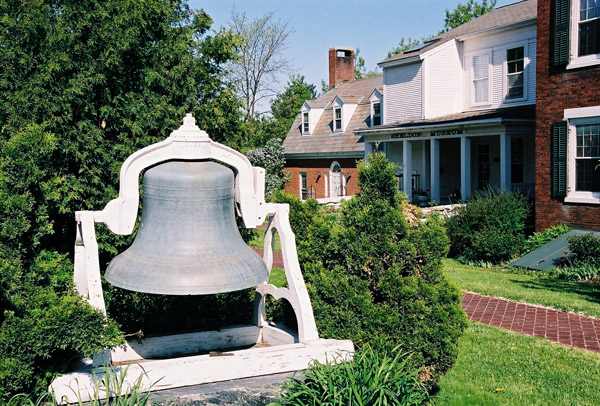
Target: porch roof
[{"x": 517, "y": 114}]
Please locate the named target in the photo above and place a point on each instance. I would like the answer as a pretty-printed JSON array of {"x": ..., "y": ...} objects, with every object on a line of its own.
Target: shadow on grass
[{"x": 589, "y": 290}]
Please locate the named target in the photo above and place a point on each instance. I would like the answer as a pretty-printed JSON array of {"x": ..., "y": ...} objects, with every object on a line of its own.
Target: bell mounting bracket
[{"x": 285, "y": 351}]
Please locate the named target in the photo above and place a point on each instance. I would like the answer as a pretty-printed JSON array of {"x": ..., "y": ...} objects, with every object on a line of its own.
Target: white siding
[
  {"x": 496, "y": 44},
  {"x": 402, "y": 93},
  {"x": 443, "y": 78}
]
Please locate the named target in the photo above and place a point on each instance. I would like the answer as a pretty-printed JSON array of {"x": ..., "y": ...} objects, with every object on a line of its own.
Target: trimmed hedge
[{"x": 490, "y": 229}]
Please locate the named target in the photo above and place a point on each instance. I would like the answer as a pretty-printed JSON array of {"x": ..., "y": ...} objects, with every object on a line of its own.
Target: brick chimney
[{"x": 341, "y": 66}]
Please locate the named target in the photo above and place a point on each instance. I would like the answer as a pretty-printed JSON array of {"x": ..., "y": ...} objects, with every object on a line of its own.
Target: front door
[{"x": 335, "y": 177}]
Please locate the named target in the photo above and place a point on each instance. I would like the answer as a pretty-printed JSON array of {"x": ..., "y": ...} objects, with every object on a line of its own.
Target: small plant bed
[
  {"x": 528, "y": 287},
  {"x": 499, "y": 367}
]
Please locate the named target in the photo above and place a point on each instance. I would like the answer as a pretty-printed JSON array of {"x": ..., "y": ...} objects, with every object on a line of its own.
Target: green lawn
[
  {"x": 499, "y": 367},
  {"x": 259, "y": 241},
  {"x": 538, "y": 289}
]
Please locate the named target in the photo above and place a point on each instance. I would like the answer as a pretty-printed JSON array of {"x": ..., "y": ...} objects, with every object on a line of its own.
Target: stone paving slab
[{"x": 560, "y": 327}]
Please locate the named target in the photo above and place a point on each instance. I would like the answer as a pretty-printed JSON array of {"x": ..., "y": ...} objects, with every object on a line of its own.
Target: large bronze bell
[{"x": 187, "y": 242}]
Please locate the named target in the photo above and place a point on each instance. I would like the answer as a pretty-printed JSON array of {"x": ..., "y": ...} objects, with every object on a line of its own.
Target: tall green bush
[
  {"x": 375, "y": 280},
  {"x": 490, "y": 228}
]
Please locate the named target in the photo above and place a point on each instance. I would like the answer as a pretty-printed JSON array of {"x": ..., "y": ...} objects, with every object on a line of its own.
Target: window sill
[
  {"x": 582, "y": 199},
  {"x": 584, "y": 62}
]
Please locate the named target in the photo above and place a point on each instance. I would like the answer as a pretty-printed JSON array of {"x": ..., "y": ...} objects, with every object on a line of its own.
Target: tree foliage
[
  {"x": 404, "y": 45},
  {"x": 260, "y": 57},
  {"x": 376, "y": 280},
  {"x": 83, "y": 85},
  {"x": 466, "y": 12},
  {"x": 360, "y": 70},
  {"x": 271, "y": 158}
]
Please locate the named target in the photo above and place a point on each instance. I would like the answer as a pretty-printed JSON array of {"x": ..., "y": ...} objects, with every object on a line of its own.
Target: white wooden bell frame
[{"x": 272, "y": 349}]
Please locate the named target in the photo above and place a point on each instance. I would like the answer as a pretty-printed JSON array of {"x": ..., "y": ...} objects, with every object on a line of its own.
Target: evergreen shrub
[
  {"x": 585, "y": 249},
  {"x": 490, "y": 228},
  {"x": 375, "y": 280}
]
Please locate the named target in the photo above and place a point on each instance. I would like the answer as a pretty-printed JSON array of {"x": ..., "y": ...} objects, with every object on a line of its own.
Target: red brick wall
[
  {"x": 313, "y": 167},
  {"x": 340, "y": 68},
  {"x": 556, "y": 90}
]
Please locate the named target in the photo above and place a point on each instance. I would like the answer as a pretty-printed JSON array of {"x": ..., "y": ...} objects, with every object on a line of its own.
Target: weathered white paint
[
  {"x": 178, "y": 372},
  {"x": 402, "y": 93}
]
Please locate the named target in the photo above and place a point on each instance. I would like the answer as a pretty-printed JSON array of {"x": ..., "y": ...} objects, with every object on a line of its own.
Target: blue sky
[{"x": 373, "y": 26}]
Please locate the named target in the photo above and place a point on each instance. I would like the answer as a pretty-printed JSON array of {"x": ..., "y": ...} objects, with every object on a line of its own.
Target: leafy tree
[
  {"x": 404, "y": 45},
  {"x": 287, "y": 104},
  {"x": 82, "y": 86},
  {"x": 466, "y": 12},
  {"x": 260, "y": 59},
  {"x": 360, "y": 70}
]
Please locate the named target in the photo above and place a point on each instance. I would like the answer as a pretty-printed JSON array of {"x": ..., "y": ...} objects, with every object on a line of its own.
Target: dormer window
[
  {"x": 376, "y": 100},
  {"x": 376, "y": 113},
  {"x": 337, "y": 119},
  {"x": 305, "y": 123}
]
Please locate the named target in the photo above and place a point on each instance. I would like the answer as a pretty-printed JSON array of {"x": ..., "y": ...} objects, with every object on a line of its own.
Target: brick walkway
[{"x": 564, "y": 328}]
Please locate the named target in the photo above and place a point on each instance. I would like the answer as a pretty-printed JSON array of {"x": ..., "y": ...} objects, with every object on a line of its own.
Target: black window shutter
[
  {"x": 562, "y": 18},
  {"x": 559, "y": 159}
]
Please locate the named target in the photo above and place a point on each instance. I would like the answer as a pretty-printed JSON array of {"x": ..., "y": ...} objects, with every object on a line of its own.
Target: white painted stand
[{"x": 274, "y": 349}]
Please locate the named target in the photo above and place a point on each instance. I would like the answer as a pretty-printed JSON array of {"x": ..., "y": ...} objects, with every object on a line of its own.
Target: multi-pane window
[
  {"x": 481, "y": 78},
  {"x": 587, "y": 158},
  {"x": 515, "y": 65},
  {"x": 305, "y": 128},
  {"x": 337, "y": 119},
  {"x": 589, "y": 27},
  {"x": 303, "y": 185},
  {"x": 376, "y": 113}
]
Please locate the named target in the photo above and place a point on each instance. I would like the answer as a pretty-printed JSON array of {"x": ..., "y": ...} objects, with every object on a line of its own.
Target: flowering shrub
[{"x": 271, "y": 158}]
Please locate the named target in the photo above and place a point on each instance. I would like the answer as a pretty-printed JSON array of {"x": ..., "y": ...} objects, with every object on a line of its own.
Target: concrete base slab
[{"x": 161, "y": 374}]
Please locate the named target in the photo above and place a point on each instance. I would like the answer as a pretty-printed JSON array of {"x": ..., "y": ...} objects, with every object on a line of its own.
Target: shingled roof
[
  {"x": 323, "y": 142},
  {"x": 500, "y": 17}
]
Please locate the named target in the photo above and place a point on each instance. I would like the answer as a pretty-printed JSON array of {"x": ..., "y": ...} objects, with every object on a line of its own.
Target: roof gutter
[
  {"x": 473, "y": 123},
  {"x": 398, "y": 62}
]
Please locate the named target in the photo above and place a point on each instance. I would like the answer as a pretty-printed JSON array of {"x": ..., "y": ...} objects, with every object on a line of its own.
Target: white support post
[
  {"x": 505, "y": 162},
  {"x": 296, "y": 294},
  {"x": 435, "y": 169},
  {"x": 465, "y": 167},
  {"x": 407, "y": 168}
]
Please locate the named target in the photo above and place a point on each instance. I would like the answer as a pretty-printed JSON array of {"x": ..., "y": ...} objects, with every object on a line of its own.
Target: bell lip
[{"x": 186, "y": 290}]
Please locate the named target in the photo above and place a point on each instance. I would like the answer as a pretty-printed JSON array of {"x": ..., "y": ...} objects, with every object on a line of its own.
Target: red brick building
[
  {"x": 567, "y": 140},
  {"x": 321, "y": 150}
]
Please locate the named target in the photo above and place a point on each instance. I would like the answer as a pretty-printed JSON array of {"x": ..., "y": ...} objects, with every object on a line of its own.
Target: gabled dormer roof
[
  {"x": 323, "y": 141},
  {"x": 499, "y": 18}
]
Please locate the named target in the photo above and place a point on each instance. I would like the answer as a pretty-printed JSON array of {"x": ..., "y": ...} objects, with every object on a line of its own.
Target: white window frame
[
  {"x": 472, "y": 57},
  {"x": 341, "y": 119},
  {"x": 575, "y": 117},
  {"x": 305, "y": 131},
  {"x": 525, "y": 72},
  {"x": 373, "y": 103},
  {"x": 577, "y": 61}
]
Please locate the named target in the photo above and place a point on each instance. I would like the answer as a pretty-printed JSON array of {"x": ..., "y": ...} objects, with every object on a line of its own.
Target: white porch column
[
  {"x": 407, "y": 168},
  {"x": 465, "y": 167},
  {"x": 505, "y": 163},
  {"x": 435, "y": 169},
  {"x": 369, "y": 148}
]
